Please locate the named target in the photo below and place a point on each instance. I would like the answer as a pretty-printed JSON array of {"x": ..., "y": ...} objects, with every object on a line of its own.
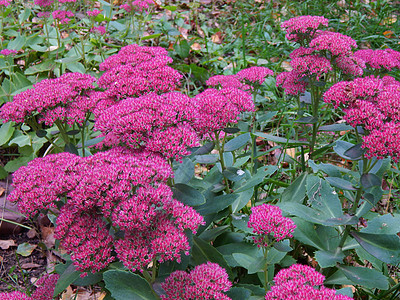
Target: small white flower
[{"x": 240, "y": 172}]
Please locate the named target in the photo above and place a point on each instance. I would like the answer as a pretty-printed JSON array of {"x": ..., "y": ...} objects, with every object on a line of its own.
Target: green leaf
[
  {"x": 182, "y": 49},
  {"x": 6, "y": 132},
  {"x": 3, "y": 173},
  {"x": 370, "y": 180},
  {"x": 15, "y": 164},
  {"x": 283, "y": 246},
  {"x": 240, "y": 222},
  {"x": 185, "y": 171},
  {"x": 203, "y": 252},
  {"x": 305, "y": 233},
  {"x": 210, "y": 234},
  {"x": 335, "y": 127},
  {"x": 207, "y": 159},
  {"x": 251, "y": 263},
  {"x": 323, "y": 197},
  {"x": 257, "y": 178},
  {"x": 355, "y": 152},
  {"x": 338, "y": 278},
  {"x": 238, "y": 293},
  {"x": 126, "y": 285},
  {"x": 25, "y": 249},
  {"x": 68, "y": 276},
  {"x": 18, "y": 43},
  {"x": 274, "y": 256},
  {"x": 296, "y": 191},
  {"x": 231, "y": 129},
  {"x": 329, "y": 258},
  {"x": 228, "y": 249},
  {"x": 281, "y": 140},
  {"x": 150, "y": 36},
  {"x": 207, "y": 148},
  {"x": 188, "y": 195},
  {"x": 242, "y": 200},
  {"x": 340, "y": 183},
  {"x": 237, "y": 142},
  {"x": 89, "y": 279},
  {"x": 71, "y": 148},
  {"x": 21, "y": 141},
  {"x": 365, "y": 277},
  {"x": 385, "y": 247},
  {"x": 41, "y": 133},
  {"x": 67, "y": 60},
  {"x": 234, "y": 174},
  {"x": 307, "y": 120},
  {"x": 385, "y": 224},
  {"x": 341, "y": 147},
  {"x": 76, "y": 67},
  {"x": 216, "y": 204},
  {"x": 91, "y": 142}
]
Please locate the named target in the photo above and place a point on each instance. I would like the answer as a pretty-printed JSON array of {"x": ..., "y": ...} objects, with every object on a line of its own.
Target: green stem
[
  {"x": 315, "y": 106},
  {"x": 221, "y": 159},
  {"x": 64, "y": 134},
  {"x": 148, "y": 278}
]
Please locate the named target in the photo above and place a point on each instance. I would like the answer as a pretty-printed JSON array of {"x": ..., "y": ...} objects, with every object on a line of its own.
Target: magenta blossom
[
  {"x": 292, "y": 82},
  {"x": 336, "y": 43},
  {"x": 206, "y": 281},
  {"x": 44, "y": 3},
  {"x": 99, "y": 30},
  {"x": 7, "y": 52},
  {"x": 301, "y": 282},
  {"x": 62, "y": 16},
  {"x": 302, "y": 27},
  {"x": 5, "y": 3},
  {"x": 93, "y": 13},
  {"x": 267, "y": 219}
]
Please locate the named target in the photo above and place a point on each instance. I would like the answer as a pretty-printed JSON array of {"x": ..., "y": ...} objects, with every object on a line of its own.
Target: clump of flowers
[
  {"x": 5, "y": 3},
  {"x": 206, "y": 281},
  {"x": 120, "y": 188},
  {"x": 62, "y": 16},
  {"x": 136, "y": 71},
  {"x": 15, "y": 295},
  {"x": 93, "y": 13},
  {"x": 242, "y": 80},
  {"x": 44, "y": 3},
  {"x": 7, "y": 52},
  {"x": 159, "y": 123},
  {"x": 45, "y": 287},
  {"x": 301, "y": 282},
  {"x": 99, "y": 30},
  {"x": 218, "y": 108},
  {"x": 139, "y": 5},
  {"x": 372, "y": 103},
  {"x": 64, "y": 98},
  {"x": 266, "y": 220},
  {"x": 386, "y": 59},
  {"x": 303, "y": 27}
]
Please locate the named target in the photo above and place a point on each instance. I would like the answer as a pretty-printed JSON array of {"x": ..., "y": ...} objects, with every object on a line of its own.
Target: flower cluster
[
  {"x": 374, "y": 104},
  {"x": 301, "y": 282},
  {"x": 242, "y": 80},
  {"x": 5, "y": 3},
  {"x": 62, "y": 16},
  {"x": 159, "y": 123},
  {"x": 93, "y": 13},
  {"x": 217, "y": 108},
  {"x": 267, "y": 219},
  {"x": 206, "y": 281},
  {"x": 7, "y": 52},
  {"x": 16, "y": 295},
  {"x": 139, "y": 5},
  {"x": 44, "y": 3},
  {"x": 45, "y": 287},
  {"x": 380, "y": 59},
  {"x": 62, "y": 98},
  {"x": 303, "y": 27},
  {"x": 127, "y": 188},
  {"x": 136, "y": 71},
  {"x": 320, "y": 49}
]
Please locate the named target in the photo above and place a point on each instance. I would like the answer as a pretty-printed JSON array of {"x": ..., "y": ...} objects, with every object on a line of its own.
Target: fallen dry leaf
[
  {"x": 29, "y": 266},
  {"x": 2, "y": 190},
  {"x": 48, "y": 236},
  {"x": 196, "y": 46},
  {"x": 31, "y": 233},
  {"x": 286, "y": 66},
  {"x": 389, "y": 34},
  {"x": 217, "y": 38},
  {"x": 5, "y": 244}
]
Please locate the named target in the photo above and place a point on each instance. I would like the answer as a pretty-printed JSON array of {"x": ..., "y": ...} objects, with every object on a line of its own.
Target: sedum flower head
[
  {"x": 386, "y": 59},
  {"x": 15, "y": 295},
  {"x": 206, "y": 281},
  {"x": 45, "y": 287},
  {"x": 301, "y": 282},
  {"x": 292, "y": 82},
  {"x": 267, "y": 219},
  {"x": 303, "y": 27},
  {"x": 335, "y": 43}
]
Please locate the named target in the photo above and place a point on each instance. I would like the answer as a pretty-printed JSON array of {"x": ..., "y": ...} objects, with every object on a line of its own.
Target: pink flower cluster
[
  {"x": 16, "y": 295},
  {"x": 138, "y": 70},
  {"x": 93, "y": 13},
  {"x": 206, "y": 281},
  {"x": 373, "y": 103},
  {"x": 301, "y": 282},
  {"x": 387, "y": 59},
  {"x": 62, "y": 16},
  {"x": 7, "y": 52},
  {"x": 45, "y": 287},
  {"x": 159, "y": 123},
  {"x": 267, "y": 219},
  {"x": 99, "y": 30},
  {"x": 5, "y": 3},
  {"x": 241, "y": 80},
  {"x": 126, "y": 187},
  {"x": 44, "y": 3},
  {"x": 139, "y": 5},
  {"x": 218, "y": 108},
  {"x": 64, "y": 98},
  {"x": 303, "y": 27},
  {"x": 319, "y": 50}
]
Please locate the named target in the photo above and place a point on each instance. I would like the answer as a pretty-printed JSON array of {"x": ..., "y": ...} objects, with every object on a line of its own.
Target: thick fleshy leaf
[
  {"x": 341, "y": 147},
  {"x": 67, "y": 277},
  {"x": 365, "y": 277},
  {"x": 216, "y": 204},
  {"x": 355, "y": 152},
  {"x": 234, "y": 174},
  {"x": 340, "y": 183},
  {"x": 207, "y": 148},
  {"x": 385, "y": 224},
  {"x": 296, "y": 191},
  {"x": 237, "y": 142},
  {"x": 370, "y": 180},
  {"x": 253, "y": 264},
  {"x": 126, "y": 285},
  {"x": 242, "y": 200},
  {"x": 238, "y": 293},
  {"x": 329, "y": 258},
  {"x": 6, "y": 132},
  {"x": 185, "y": 171},
  {"x": 385, "y": 247},
  {"x": 281, "y": 140},
  {"x": 203, "y": 252},
  {"x": 335, "y": 127},
  {"x": 188, "y": 195},
  {"x": 257, "y": 178}
]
